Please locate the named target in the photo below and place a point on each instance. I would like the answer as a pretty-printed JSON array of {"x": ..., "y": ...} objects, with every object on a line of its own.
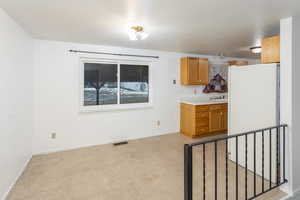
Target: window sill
[{"x": 111, "y": 108}]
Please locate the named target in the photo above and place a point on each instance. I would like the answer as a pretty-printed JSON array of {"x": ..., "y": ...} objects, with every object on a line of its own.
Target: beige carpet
[{"x": 144, "y": 169}]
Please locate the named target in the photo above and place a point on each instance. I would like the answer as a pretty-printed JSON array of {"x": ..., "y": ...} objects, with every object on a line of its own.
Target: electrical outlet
[
  {"x": 53, "y": 135},
  {"x": 158, "y": 123},
  {"x": 174, "y": 82},
  {"x": 195, "y": 91}
]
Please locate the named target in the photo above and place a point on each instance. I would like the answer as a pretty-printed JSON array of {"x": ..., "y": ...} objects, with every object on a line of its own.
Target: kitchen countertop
[{"x": 202, "y": 101}]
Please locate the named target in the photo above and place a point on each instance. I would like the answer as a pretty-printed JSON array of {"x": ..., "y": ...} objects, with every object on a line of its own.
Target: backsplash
[
  {"x": 216, "y": 85},
  {"x": 218, "y": 68}
]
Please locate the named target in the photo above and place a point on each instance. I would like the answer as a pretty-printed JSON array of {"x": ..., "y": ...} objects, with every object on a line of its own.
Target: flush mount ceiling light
[
  {"x": 256, "y": 49},
  {"x": 137, "y": 33}
]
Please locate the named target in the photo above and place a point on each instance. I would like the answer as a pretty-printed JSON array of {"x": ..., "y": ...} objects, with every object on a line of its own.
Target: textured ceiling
[{"x": 194, "y": 26}]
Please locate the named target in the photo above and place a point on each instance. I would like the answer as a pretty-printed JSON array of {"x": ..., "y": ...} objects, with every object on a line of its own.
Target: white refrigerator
[{"x": 253, "y": 105}]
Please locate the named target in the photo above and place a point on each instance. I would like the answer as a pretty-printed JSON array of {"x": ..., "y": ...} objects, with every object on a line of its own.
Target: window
[
  {"x": 134, "y": 81},
  {"x": 100, "y": 84},
  {"x": 114, "y": 85}
]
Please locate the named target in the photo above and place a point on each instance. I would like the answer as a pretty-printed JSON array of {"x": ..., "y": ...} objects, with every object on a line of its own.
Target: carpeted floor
[{"x": 148, "y": 169}]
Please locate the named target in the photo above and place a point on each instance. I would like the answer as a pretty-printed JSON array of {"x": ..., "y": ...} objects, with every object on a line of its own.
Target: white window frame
[{"x": 118, "y": 106}]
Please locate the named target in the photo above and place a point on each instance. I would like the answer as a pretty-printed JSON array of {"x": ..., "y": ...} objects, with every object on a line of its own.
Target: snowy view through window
[{"x": 101, "y": 84}]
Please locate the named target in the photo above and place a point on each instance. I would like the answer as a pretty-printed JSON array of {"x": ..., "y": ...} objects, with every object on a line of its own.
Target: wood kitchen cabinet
[
  {"x": 194, "y": 71},
  {"x": 202, "y": 120},
  {"x": 238, "y": 62},
  {"x": 218, "y": 118},
  {"x": 270, "y": 50}
]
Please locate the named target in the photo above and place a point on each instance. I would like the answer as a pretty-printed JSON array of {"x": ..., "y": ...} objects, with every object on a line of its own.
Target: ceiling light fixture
[
  {"x": 256, "y": 49},
  {"x": 137, "y": 33}
]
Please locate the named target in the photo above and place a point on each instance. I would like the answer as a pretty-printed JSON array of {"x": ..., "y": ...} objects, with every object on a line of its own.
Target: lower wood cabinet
[
  {"x": 203, "y": 119},
  {"x": 218, "y": 117}
]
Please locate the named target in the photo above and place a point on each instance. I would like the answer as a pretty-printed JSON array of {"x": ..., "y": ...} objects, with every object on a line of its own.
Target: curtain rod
[{"x": 114, "y": 54}]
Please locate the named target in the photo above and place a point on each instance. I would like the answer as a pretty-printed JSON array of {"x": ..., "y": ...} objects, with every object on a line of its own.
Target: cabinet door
[
  {"x": 224, "y": 119},
  {"x": 187, "y": 119},
  {"x": 203, "y": 71},
  {"x": 270, "y": 52},
  {"x": 215, "y": 120},
  {"x": 193, "y": 70}
]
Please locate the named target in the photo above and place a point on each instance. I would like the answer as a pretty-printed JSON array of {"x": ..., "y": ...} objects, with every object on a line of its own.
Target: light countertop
[{"x": 202, "y": 101}]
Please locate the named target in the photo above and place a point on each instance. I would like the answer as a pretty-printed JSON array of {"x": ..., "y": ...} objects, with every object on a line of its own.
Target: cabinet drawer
[
  {"x": 218, "y": 107},
  {"x": 202, "y": 108},
  {"x": 204, "y": 122},
  {"x": 200, "y": 130},
  {"x": 200, "y": 115}
]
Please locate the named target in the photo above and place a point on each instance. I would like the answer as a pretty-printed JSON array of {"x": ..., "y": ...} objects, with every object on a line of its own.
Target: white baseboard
[
  {"x": 16, "y": 178},
  {"x": 296, "y": 194},
  {"x": 286, "y": 198},
  {"x": 96, "y": 144},
  {"x": 286, "y": 189},
  {"x": 293, "y": 195}
]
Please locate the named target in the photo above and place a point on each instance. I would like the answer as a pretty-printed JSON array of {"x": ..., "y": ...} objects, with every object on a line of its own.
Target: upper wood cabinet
[
  {"x": 194, "y": 71},
  {"x": 238, "y": 62},
  {"x": 270, "y": 50}
]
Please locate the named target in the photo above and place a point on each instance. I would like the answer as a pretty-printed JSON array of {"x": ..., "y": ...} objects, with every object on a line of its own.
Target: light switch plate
[{"x": 53, "y": 135}]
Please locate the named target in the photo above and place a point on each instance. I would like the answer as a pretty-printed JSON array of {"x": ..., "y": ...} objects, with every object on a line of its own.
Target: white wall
[
  {"x": 16, "y": 104},
  {"x": 57, "y": 98},
  {"x": 261, "y": 94},
  {"x": 286, "y": 90},
  {"x": 290, "y": 96},
  {"x": 295, "y": 103}
]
